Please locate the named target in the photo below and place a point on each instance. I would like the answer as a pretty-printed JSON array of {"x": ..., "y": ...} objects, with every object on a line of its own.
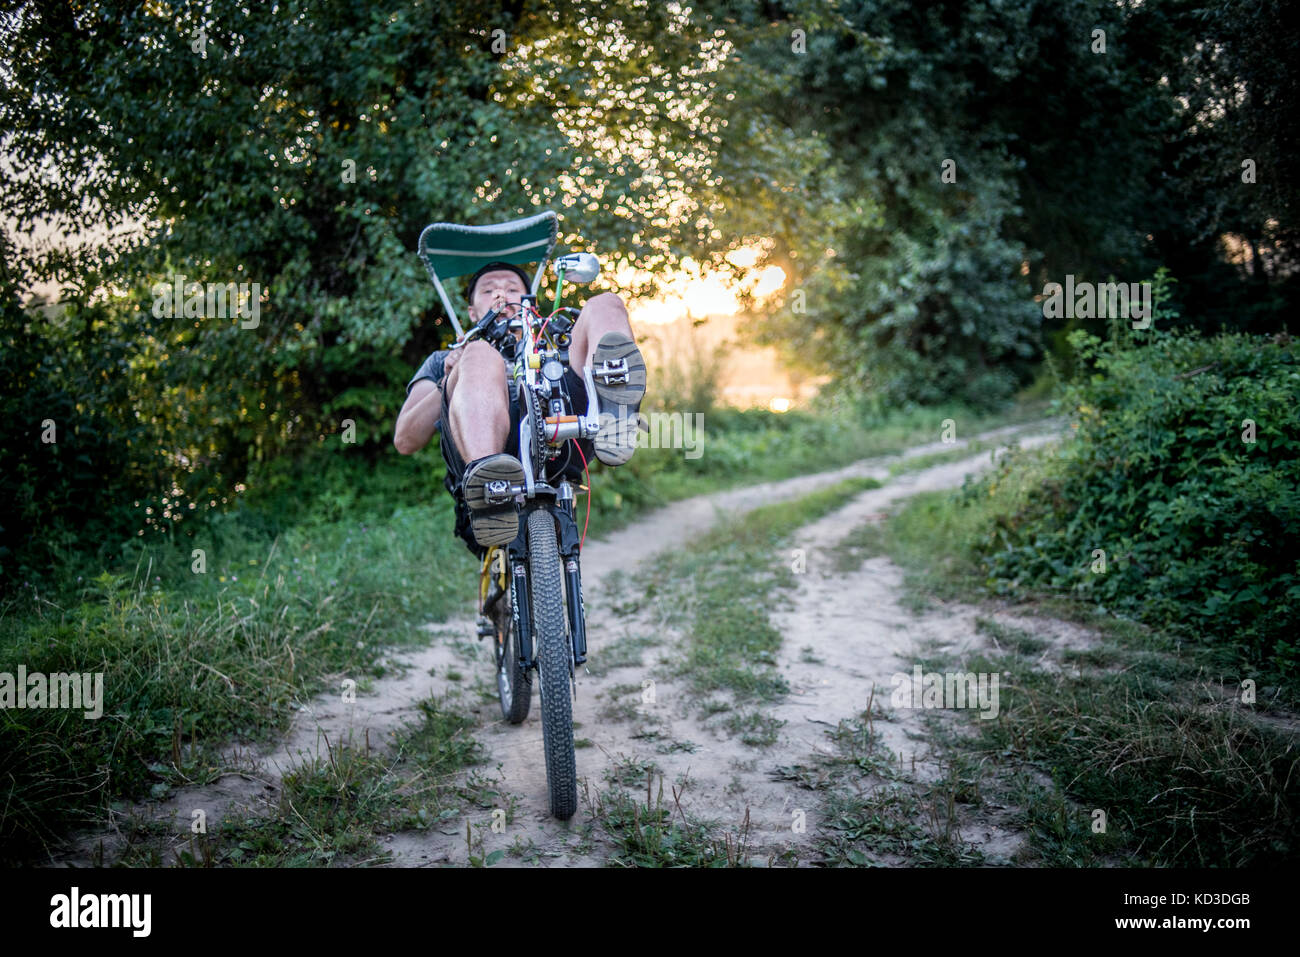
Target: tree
[
  {"x": 303, "y": 147},
  {"x": 976, "y": 150}
]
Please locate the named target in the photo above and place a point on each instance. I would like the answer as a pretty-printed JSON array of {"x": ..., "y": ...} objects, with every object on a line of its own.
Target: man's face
[{"x": 492, "y": 290}]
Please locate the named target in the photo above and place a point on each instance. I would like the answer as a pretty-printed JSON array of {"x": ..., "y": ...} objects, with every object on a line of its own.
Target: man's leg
[
  {"x": 478, "y": 404},
  {"x": 602, "y": 338},
  {"x": 601, "y": 314},
  {"x": 478, "y": 413}
]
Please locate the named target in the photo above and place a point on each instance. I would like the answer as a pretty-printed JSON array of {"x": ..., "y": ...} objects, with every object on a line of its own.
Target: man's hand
[{"x": 452, "y": 358}]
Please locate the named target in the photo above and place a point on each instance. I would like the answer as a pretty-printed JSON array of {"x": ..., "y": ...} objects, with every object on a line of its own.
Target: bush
[
  {"x": 75, "y": 459},
  {"x": 1178, "y": 502}
]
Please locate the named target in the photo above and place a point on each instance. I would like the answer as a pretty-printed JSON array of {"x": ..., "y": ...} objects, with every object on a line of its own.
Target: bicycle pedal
[
  {"x": 611, "y": 372},
  {"x": 486, "y": 627},
  {"x": 497, "y": 491}
]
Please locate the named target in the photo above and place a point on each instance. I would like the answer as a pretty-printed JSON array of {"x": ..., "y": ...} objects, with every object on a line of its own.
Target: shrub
[{"x": 1185, "y": 472}]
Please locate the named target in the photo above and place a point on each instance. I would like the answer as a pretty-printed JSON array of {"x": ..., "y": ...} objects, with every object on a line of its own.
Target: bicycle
[{"x": 530, "y": 591}]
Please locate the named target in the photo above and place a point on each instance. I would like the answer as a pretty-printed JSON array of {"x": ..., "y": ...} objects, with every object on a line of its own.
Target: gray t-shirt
[{"x": 432, "y": 369}]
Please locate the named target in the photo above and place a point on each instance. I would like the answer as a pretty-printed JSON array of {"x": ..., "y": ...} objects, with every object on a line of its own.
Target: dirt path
[
  {"x": 844, "y": 633},
  {"x": 850, "y": 625},
  {"x": 723, "y": 778}
]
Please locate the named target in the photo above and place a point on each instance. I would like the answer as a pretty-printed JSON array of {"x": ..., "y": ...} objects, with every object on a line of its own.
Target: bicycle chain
[{"x": 539, "y": 432}]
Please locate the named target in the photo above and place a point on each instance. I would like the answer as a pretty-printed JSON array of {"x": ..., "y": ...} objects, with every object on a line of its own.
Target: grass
[
  {"x": 755, "y": 728},
  {"x": 526, "y": 849},
  {"x": 325, "y": 813},
  {"x": 218, "y": 631},
  {"x": 201, "y": 659},
  {"x": 334, "y": 807},
  {"x": 628, "y": 702},
  {"x": 1145, "y": 729},
  {"x": 1184, "y": 772},
  {"x": 627, "y": 652},
  {"x": 647, "y": 830},
  {"x": 872, "y": 812},
  {"x": 735, "y": 576},
  {"x": 929, "y": 540},
  {"x": 1016, "y": 640},
  {"x": 630, "y": 771},
  {"x": 917, "y": 463},
  {"x": 1184, "y": 778}
]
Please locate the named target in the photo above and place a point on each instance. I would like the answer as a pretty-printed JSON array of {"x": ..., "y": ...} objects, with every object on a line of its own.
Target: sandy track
[
  {"x": 860, "y": 641},
  {"x": 852, "y": 624}
]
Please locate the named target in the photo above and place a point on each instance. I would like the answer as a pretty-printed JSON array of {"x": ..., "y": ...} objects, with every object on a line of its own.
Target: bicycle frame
[
  {"x": 533, "y": 358},
  {"x": 555, "y": 643}
]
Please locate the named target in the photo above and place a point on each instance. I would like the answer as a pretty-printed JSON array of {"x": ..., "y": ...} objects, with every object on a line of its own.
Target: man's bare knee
[
  {"x": 606, "y": 304},
  {"x": 601, "y": 314},
  {"x": 484, "y": 371},
  {"x": 478, "y": 407},
  {"x": 479, "y": 353}
]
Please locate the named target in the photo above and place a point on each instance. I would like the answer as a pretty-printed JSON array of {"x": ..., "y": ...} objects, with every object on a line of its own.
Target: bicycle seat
[{"x": 452, "y": 249}]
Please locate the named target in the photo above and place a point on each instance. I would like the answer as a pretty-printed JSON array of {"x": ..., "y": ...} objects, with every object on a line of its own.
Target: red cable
[
  {"x": 541, "y": 332},
  {"x": 587, "y": 473}
]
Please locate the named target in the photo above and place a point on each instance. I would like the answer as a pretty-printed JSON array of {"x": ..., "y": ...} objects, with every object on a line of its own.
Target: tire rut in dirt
[{"x": 553, "y": 660}]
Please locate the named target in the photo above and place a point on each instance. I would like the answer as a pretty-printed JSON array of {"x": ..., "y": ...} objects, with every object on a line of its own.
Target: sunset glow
[{"x": 694, "y": 293}]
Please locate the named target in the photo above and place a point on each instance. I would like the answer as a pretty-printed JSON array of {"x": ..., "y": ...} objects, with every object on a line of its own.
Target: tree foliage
[
  {"x": 1080, "y": 137},
  {"x": 1180, "y": 499},
  {"x": 303, "y": 146},
  {"x": 918, "y": 170}
]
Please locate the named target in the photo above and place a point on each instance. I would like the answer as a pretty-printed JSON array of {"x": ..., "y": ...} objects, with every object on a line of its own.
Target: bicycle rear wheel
[
  {"x": 514, "y": 683},
  {"x": 554, "y": 662}
]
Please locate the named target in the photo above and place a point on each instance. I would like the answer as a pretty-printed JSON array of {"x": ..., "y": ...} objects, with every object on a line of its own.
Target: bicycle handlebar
[
  {"x": 490, "y": 328},
  {"x": 478, "y": 328}
]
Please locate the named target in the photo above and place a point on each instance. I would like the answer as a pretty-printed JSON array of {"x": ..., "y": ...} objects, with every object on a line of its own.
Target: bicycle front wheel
[{"x": 554, "y": 662}]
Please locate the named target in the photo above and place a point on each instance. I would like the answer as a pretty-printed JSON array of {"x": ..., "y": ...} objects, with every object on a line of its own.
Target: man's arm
[
  {"x": 418, "y": 418},
  {"x": 421, "y": 412}
]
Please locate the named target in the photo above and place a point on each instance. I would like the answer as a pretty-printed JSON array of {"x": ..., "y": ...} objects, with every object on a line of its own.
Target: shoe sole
[
  {"x": 620, "y": 403},
  {"x": 493, "y": 524}
]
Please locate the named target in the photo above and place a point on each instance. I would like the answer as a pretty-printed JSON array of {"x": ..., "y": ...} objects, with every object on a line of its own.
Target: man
[{"x": 467, "y": 388}]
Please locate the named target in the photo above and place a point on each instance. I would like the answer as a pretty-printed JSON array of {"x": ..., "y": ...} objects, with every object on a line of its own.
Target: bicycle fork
[
  {"x": 521, "y": 611},
  {"x": 570, "y": 544}
]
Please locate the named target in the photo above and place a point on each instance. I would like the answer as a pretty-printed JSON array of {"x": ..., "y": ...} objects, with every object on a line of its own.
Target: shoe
[
  {"x": 494, "y": 519},
  {"x": 619, "y": 374}
]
